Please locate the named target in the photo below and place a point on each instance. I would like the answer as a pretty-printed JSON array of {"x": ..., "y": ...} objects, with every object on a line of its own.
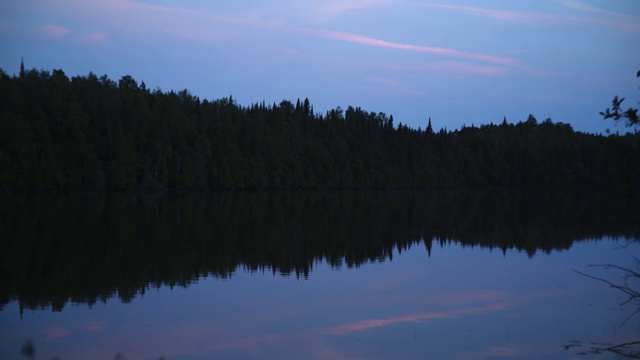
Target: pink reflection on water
[
  {"x": 96, "y": 326},
  {"x": 515, "y": 351},
  {"x": 447, "y": 299},
  {"x": 466, "y": 297},
  {"x": 373, "y": 323},
  {"x": 55, "y": 333}
]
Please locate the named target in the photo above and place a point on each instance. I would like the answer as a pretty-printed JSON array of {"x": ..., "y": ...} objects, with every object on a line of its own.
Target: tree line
[{"x": 90, "y": 133}]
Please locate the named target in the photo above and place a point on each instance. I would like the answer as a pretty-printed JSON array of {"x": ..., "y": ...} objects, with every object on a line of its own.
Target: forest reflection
[{"x": 87, "y": 248}]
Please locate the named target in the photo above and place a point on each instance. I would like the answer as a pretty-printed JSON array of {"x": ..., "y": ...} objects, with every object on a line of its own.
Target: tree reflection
[
  {"x": 89, "y": 248},
  {"x": 629, "y": 285}
]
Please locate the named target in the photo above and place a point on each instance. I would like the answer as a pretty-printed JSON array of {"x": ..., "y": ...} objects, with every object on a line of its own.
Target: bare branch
[
  {"x": 630, "y": 316},
  {"x": 623, "y": 269},
  {"x": 618, "y": 349},
  {"x": 626, "y": 289}
]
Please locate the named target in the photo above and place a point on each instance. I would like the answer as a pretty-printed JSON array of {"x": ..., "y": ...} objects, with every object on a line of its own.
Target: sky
[{"x": 456, "y": 62}]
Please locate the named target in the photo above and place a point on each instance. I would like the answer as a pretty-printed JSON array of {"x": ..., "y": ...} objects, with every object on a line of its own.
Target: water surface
[{"x": 471, "y": 275}]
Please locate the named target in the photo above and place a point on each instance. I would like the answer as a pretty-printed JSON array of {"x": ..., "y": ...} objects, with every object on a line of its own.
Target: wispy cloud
[
  {"x": 370, "y": 41},
  {"x": 604, "y": 17},
  {"x": 389, "y": 85},
  {"x": 578, "y": 5},
  {"x": 461, "y": 68},
  {"x": 491, "y": 13},
  {"x": 145, "y": 19},
  {"x": 7, "y": 26},
  {"x": 54, "y": 31},
  {"x": 329, "y": 10},
  {"x": 96, "y": 37}
]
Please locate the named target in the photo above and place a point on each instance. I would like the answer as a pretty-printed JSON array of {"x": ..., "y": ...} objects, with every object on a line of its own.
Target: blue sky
[{"x": 458, "y": 62}]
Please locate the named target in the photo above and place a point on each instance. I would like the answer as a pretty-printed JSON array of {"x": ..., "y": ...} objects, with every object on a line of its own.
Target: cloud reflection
[
  {"x": 374, "y": 323},
  {"x": 55, "y": 333},
  {"x": 229, "y": 338},
  {"x": 96, "y": 326}
]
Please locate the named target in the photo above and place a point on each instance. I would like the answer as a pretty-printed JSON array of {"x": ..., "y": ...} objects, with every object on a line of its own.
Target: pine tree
[{"x": 21, "y": 68}]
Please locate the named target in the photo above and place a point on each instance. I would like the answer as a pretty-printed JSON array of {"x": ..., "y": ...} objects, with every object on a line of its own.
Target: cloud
[
  {"x": 461, "y": 68},
  {"x": 96, "y": 37},
  {"x": 364, "y": 40},
  {"x": 394, "y": 86},
  {"x": 141, "y": 20},
  {"x": 577, "y": 5},
  {"x": 54, "y": 31},
  {"x": 7, "y": 26},
  {"x": 604, "y": 17},
  {"x": 329, "y": 10},
  {"x": 144, "y": 19},
  {"x": 491, "y": 13}
]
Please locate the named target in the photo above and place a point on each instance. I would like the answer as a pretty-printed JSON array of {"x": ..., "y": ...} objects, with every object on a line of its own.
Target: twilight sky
[{"x": 458, "y": 62}]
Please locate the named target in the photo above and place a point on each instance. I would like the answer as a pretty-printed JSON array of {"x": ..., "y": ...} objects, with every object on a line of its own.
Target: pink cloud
[
  {"x": 394, "y": 86},
  {"x": 604, "y": 17},
  {"x": 140, "y": 19},
  {"x": 577, "y": 5},
  {"x": 7, "y": 26},
  {"x": 364, "y": 40},
  {"x": 96, "y": 37},
  {"x": 202, "y": 26},
  {"x": 54, "y": 31},
  {"x": 465, "y": 68},
  {"x": 333, "y": 9},
  {"x": 492, "y": 13}
]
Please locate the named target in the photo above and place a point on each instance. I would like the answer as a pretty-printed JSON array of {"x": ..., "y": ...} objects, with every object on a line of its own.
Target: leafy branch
[{"x": 630, "y": 116}]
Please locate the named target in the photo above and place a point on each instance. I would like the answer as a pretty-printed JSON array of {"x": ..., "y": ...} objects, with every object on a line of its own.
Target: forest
[{"x": 90, "y": 133}]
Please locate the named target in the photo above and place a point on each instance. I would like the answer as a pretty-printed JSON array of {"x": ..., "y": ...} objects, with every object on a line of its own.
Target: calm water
[{"x": 439, "y": 275}]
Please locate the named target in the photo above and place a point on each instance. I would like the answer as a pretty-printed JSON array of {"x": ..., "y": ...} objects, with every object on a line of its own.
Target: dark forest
[{"x": 90, "y": 133}]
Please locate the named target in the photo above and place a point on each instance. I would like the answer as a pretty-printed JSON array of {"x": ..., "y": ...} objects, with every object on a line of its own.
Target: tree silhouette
[
  {"x": 629, "y": 116},
  {"x": 92, "y": 133}
]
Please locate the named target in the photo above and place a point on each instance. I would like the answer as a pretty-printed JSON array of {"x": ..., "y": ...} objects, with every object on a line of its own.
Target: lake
[{"x": 464, "y": 274}]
